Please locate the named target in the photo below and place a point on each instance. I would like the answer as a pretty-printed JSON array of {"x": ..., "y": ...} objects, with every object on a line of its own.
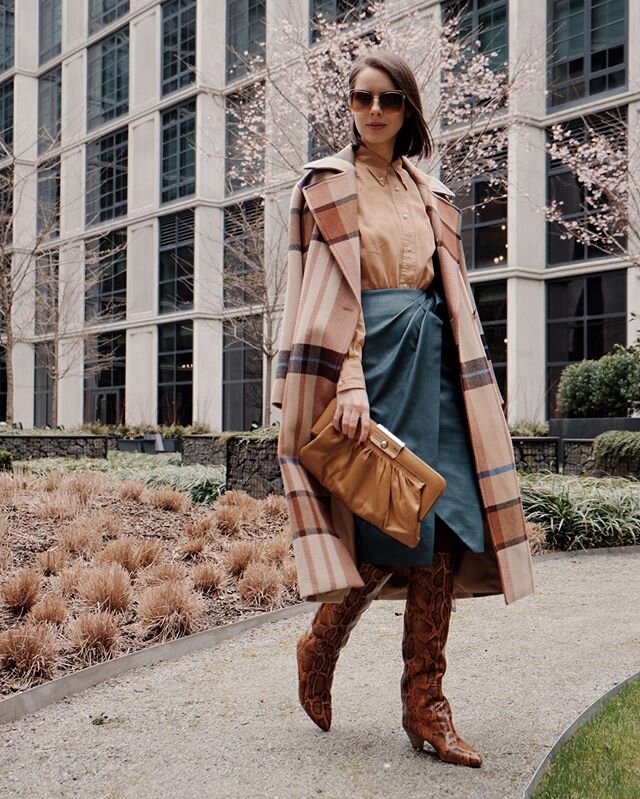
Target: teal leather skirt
[{"x": 411, "y": 372}]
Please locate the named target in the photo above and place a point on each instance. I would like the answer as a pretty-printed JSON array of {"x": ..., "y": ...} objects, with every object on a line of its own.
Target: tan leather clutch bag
[{"x": 381, "y": 481}]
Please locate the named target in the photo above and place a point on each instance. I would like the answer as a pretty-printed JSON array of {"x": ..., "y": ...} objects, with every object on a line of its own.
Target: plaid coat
[{"x": 320, "y": 314}]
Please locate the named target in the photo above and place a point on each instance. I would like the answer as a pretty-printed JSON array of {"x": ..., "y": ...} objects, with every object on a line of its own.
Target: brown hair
[{"x": 414, "y": 137}]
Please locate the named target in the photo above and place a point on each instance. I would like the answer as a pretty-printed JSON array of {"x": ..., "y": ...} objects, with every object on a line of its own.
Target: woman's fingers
[{"x": 352, "y": 408}]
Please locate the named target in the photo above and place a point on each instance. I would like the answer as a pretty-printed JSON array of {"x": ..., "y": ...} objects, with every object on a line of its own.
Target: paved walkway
[{"x": 225, "y": 722}]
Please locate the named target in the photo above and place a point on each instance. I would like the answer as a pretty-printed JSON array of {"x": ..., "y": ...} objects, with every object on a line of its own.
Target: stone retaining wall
[
  {"x": 205, "y": 450},
  {"x": 26, "y": 447},
  {"x": 252, "y": 466}
]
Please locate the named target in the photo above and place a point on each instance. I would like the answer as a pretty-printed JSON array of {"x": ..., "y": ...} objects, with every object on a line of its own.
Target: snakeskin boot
[
  {"x": 320, "y": 645},
  {"x": 426, "y": 713}
]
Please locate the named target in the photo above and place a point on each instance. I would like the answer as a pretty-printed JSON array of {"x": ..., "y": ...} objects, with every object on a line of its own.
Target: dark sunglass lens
[
  {"x": 361, "y": 100},
  {"x": 391, "y": 101}
]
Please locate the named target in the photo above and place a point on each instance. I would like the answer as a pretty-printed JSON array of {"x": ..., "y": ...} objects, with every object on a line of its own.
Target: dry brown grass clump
[
  {"x": 81, "y": 537},
  {"x": 170, "y": 610},
  {"x": 236, "y": 513},
  {"x": 52, "y": 481},
  {"x": 275, "y": 508},
  {"x": 289, "y": 575},
  {"x": 276, "y": 549},
  {"x": 94, "y": 636},
  {"x": 537, "y": 536},
  {"x": 260, "y": 585},
  {"x": 22, "y": 590},
  {"x": 130, "y": 552},
  {"x": 7, "y": 488},
  {"x": 51, "y": 608},
  {"x": 240, "y": 554},
  {"x": 105, "y": 587},
  {"x": 162, "y": 572},
  {"x": 108, "y": 524},
  {"x": 85, "y": 485},
  {"x": 68, "y": 579},
  {"x": 208, "y": 577},
  {"x": 4, "y": 528},
  {"x": 198, "y": 528},
  {"x": 29, "y": 652},
  {"x": 168, "y": 499},
  {"x": 132, "y": 489},
  {"x": 59, "y": 505},
  {"x": 192, "y": 548},
  {"x": 52, "y": 560}
]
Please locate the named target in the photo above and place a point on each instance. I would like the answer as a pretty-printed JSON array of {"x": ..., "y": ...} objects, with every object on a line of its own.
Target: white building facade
[{"x": 113, "y": 112}]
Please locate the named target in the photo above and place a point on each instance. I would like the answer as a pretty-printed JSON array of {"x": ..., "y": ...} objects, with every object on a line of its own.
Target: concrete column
[
  {"x": 142, "y": 375},
  {"x": 207, "y": 372},
  {"x": 142, "y": 271},
  {"x": 145, "y": 55}
]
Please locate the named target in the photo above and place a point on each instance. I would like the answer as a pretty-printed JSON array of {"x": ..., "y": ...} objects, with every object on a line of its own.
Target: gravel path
[{"x": 225, "y": 722}]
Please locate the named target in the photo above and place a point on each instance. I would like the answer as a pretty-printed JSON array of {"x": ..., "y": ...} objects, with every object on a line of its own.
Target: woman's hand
[{"x": 352, "y": 407}]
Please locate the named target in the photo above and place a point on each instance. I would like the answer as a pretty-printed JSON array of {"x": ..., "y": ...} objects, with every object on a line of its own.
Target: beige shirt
[{"x": 396, "y": 241}]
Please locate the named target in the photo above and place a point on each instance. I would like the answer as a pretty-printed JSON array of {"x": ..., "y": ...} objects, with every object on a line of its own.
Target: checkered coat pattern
[{"x": 320, "y": 314}]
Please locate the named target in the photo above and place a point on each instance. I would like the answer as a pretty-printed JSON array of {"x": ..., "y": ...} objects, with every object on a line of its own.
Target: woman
[{"x": 379, "y": 312}]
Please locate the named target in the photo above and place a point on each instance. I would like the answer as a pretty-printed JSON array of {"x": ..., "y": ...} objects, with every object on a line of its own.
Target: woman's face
[{"x": 376, "y": 127}]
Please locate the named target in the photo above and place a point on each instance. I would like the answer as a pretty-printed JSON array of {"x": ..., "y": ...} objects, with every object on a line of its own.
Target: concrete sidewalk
[{"x": 225, "y": 723}]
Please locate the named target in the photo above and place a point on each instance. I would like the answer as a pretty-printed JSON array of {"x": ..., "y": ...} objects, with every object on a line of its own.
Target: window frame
[
  {"x": 8, "y": 29},
  {"x": 175, "y": 384},
  {"x": 49, "y": 11},
  {"x": 174, "y": 185},
  {"x": 104, "y": 106},
  {"x": 587, "y": 56},
  {"x": 173, "y": 241},
  {"x": 114, "y": 300},
  {"x": 118, "y": 165},
  {"x": 50, "y": 97},
  {"x": 93, "y": 377},
  {"x": 98, "y": 17},
  {"x": 256, "y": 31},
  {"x": 233, "y": 344},
  {"x": 184, "y": 72}
]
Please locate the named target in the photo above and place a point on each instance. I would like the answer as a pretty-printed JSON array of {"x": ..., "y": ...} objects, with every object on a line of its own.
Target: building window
[
  {"x": 104, "y": 378},
  {"x": 107, "y": 177},
  {"x": 108, "y": 79},
  {"x": 246, "y": 34},
  {"x": 50, "y": 29},
  {"x": 49, "y": 109},
  {"x": 175, "y": 373},
  {"x": 244, "y": 163},
  {"x": 491, "y": 302},
  {"x": 46, "y": 293},
  {"x": 484, "y": 225},
  {"x": 483, "y": 27},
  {"x": 3, "y": 384},
  {"x": 586, "y": 316},
  {"x": 106, "y": 277},
  {"x": 336, "y": 11},
  {"x": 48, "y": 224},
  {"x": 6, "y": 117},
  {"x": 243, "y": 253},
  {"x": 176, "y": 262},
  {"x": 43, "y": 384},
  {"x": 565, "y": 190},
  {"x": 179, "y": 151},
  {"x": 178, "y": 44},
  {"x": 102, "y": 12},
  {"x": 242, "y": 374},
  {"x": 587, "y": 49},
  {"x": 7, "y": 35}
]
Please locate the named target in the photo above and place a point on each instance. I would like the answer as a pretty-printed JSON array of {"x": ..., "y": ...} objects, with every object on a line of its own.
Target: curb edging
[
  {"x": 584, "y": 718},
  {"x": 22, "y": 704}
]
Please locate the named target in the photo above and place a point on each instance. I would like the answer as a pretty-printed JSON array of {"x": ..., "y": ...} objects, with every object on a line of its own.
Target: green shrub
[
  {"x": 526, "y": 429},
  {"x": 609, "y": 386},
  {"x": 617, "y": 450},
  {"x": 582, "y": 512},
  {"x": 6, "y": 461}
]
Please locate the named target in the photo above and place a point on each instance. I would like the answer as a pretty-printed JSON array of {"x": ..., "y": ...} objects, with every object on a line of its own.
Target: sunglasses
[{"x": 361, "y": 100}]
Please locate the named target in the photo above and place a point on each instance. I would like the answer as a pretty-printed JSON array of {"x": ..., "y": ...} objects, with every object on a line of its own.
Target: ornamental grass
[
  {"x": 94, "y": 636},
  {"x": 29, "y": 653},
  {"x": 105, "y": 587},
  {"x": 21, "y": 591},
  {"x": 51, "y": 608},
  {"x": 170, "y": 610}
]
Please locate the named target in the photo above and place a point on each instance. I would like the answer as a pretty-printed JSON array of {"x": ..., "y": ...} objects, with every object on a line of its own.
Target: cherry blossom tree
[{"x": 602, "y": 157}]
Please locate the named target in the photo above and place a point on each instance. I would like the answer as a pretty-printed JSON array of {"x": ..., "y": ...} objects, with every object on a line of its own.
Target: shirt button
[
  {"x": 405, "y": 216},
  {"x": 397, "y": 188}
]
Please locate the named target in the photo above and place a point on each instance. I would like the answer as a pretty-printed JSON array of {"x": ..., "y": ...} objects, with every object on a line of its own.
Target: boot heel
[{"x": 417, "y": 741}]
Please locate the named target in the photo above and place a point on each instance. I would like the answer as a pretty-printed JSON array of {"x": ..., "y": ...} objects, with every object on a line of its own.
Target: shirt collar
[{"x": 378, "y": 166}]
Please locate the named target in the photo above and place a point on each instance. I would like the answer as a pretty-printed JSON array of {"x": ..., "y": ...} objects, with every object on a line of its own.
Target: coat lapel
[{"x": 333, "y": 202}]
